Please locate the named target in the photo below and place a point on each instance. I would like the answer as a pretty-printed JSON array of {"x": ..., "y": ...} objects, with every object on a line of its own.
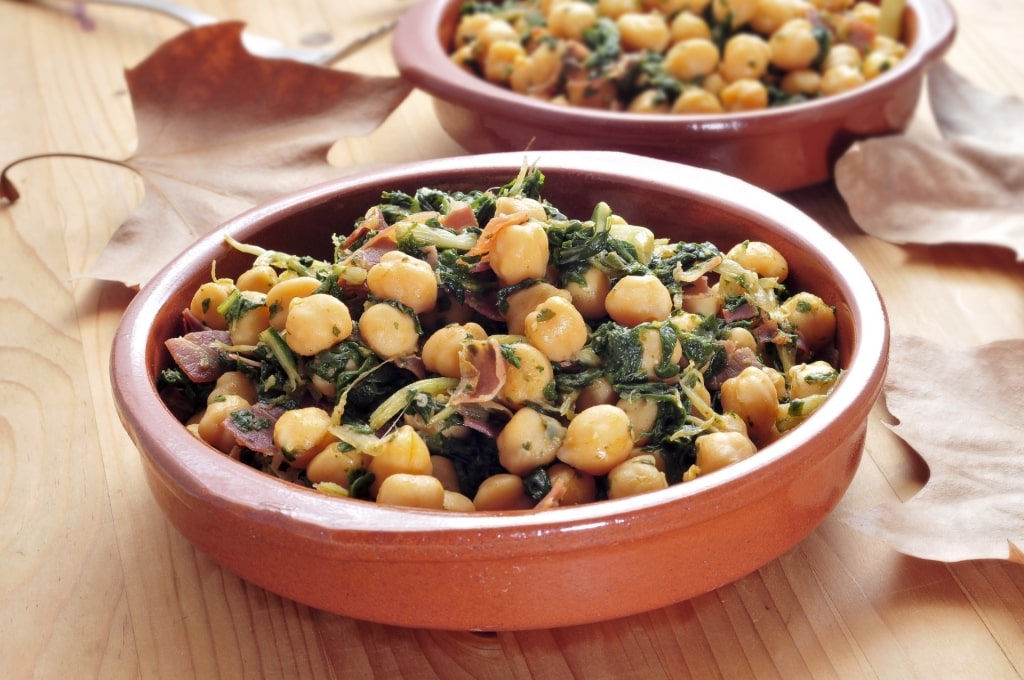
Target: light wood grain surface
[{"x": 94, "y": 582}]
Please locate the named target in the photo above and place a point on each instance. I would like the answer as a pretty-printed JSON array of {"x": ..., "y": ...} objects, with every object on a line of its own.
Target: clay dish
[
  {"x": 778, "y": 149},
  {"x": 516, "y": 570}
]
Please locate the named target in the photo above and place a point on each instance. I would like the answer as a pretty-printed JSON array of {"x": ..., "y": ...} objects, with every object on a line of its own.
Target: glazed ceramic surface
[
  {"x": 778, "y": 149},
  {"x": 490, "y": 571}
]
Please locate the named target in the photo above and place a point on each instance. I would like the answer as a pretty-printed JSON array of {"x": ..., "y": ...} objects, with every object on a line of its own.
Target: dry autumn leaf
[
  {"x": 965, "y": 188},
  {"x": 220, "y": 130},
  {"x": 959, "y": 410}
]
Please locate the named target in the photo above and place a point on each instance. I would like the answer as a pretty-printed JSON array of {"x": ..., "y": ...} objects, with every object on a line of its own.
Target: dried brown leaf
[
  {"x": 968, "y": 188},
  {"x": 220, "y": 130},
  {"x": 962, "y": 109},
  {"x": 959, "y": 410}
]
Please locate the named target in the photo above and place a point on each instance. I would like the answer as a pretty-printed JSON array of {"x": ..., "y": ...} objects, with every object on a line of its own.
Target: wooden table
[{"x": 95, "y": 582}]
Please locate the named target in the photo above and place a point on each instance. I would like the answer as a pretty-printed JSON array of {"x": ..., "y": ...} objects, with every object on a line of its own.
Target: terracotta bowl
[
  {"x": 516, "y": 570},
  {"x": 778, "y": 149}
]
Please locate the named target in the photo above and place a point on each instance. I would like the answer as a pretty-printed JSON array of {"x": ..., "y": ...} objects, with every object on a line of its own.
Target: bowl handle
[{"x": 935, "y": 18}]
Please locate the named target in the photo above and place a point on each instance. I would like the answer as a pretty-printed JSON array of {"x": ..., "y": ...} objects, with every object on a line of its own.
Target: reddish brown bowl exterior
[
  {"x": 492, "y": 571},
  {"x": 777, "y": 149}
]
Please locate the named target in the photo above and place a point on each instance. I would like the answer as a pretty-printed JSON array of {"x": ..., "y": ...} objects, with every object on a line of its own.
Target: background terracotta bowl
[
  {"x": 518, "y": 570},
  {"x": 778, "y": 149}
]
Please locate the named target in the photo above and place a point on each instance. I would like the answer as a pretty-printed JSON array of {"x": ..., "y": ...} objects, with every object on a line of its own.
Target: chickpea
[
  {"x": 568, "y": 20},
  {"x": 883, "y": 43},
  {"x": 697, "y": 100},
  {"x": 579, "y": 487},
  {"x": 806, "y": 380},
  {"x": 672, "y": 7},
  {"x": 589, "y": 92},
  {"x": 714, "y": 83},
  {"x": 588, "y": 295},
  {"x": 613, "y": 9},
  {"x": 634, "y": 300},
  {"x": 686, "y": 322},
  {"x": 520, "y": 252},
  {"x": 444, "y": 469},
  {"x": 207, "y": 298},
  {"x": 841, "y": 79},
  {"x": 744, "y": 94},
  {"x": 832, "y": 5},
  {"x": 866, "y": 12},
  {"x": 647, "y": 31},
  {"x": 211, "y": 424},
  {"x": 441, "y": 350},
  {"x": 502, "y": 492},
  {"x": 741, "y": 337},
  {"x": 877, "y": 63},
  {"x": 528, "y": 441},
  {"x": 547, "y": 5},
  {"x": 716, "y": 450},
  {"x": 643, "y": 415},
  {"x": 649, "y": 101},
  {"x": 260, "y": 278},
  {"x": 528, "y": 381},
  {"x": 316, "y": 323},
  {"x": 401, "y": 451},
  {"x": 812, "y": 318},
  {"x": 509, "y": 205},
  {"x": 745, "y": 57},
  {"x": 405, "y": 279},
  {"x": 634, "y": 476},
  {"x": 730, "y": 422},
  {"x": 334, "y": 463},
  {"x": 600, "y": 391},
  {"x": 760, "y": 257},
  {"x": 753, "y": 397},
  {"x": 236, "y": 383},
  {"x": 841, "y": 55},
  {"x": 470, "y": 26},
  {"x": 522, "y": 302},
  {"x": 493, "y": 31},
  {"x": 279, "y": 298},
  {"x": 688, "y": 24},
  {"x": 652, "y": 352},
  {"x": 521, "y": 75},
  {"x": 806, "y": 82},
  {"x": 456, "y": 502},
  {"x": 779, "y": 380},
  {"x": 245, "y": 327},
  {"x": 641, "y": 238},
  {"x": 411, "y": 491},
  {"x": 536, "y": 73},
  {"x": 499, "y": 62},
  {"x": 738, "y": 12},
  {"x": 557, "y": 329},
  {"x": 597, "y": 439},
  {"x": 691, "y": 59},
  {"x": 388, "y": 331},
  {"x": 772, "y": 14},
  {"x": 302, "y": 433},
  {"x": 794, "y": 46}
]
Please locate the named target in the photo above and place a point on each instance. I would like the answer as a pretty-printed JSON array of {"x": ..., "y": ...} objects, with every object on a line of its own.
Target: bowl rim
[
  {"x": 325, "y": 521},
  {"x": 420, "y": 58}
]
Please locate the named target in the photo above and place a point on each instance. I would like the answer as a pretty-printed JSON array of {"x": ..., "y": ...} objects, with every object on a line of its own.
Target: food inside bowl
[
  {"x": 678, "y": 56},
  {"x": 480, "y": 350}
]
